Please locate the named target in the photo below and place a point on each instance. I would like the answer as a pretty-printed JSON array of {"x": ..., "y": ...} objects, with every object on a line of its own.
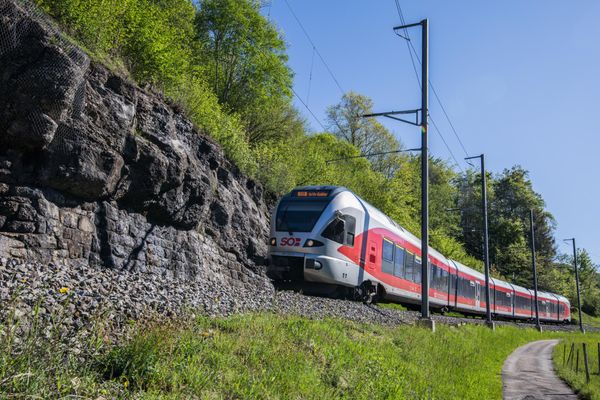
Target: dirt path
[{"x": 528, "y": 374}]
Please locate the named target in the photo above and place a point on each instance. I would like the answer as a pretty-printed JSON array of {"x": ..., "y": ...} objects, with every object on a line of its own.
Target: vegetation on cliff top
[{"x": 225, "y": 64}]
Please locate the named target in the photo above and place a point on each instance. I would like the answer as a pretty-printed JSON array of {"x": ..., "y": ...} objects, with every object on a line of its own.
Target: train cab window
[
  {"x": 299, "y": 214},
  {"x": 399, "y": 262},
  {"x": 387, "y": 262},
  {"x": 335, "y": 230},
  {"x": 341, "y": 230}
]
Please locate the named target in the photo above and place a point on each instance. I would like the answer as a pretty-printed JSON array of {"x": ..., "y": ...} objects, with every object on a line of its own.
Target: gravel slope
[{"x": 74, "y": 297}]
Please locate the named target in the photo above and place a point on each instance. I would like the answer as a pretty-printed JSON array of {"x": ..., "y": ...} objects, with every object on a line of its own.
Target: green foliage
[
  {"x": 152, "y": 38},
  {"x": 244, "y": 59},
  {"x": 510, "y": 197},
  {"x": 369, "y": 136},
  {"x": 204, "y": 110}
]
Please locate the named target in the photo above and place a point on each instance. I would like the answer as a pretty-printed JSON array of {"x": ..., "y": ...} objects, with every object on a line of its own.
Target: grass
[
  {"x": 266, "y": 356},
  {"x": 565, "y": 362},
  {"x": 588, "y": 320}
]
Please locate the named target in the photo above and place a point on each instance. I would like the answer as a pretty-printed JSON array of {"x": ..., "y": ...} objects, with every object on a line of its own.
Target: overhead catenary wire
[
  {"x": 342, "y": 91},
  {"x": 312, "y": 64},
  {"x": 437, "y": 97},
  {"x": 308, "y": 108},
  {"x": 445, "y": 143},
  {"x": 262, "y": 52},
  {"x": 411, "y": 51}
]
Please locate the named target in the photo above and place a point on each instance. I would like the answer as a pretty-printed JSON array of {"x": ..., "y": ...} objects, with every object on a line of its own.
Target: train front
[{"x": 312, "y": 236}]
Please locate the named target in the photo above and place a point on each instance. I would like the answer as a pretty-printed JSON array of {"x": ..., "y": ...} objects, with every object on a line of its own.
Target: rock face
[{"x": 95, "y": 170}]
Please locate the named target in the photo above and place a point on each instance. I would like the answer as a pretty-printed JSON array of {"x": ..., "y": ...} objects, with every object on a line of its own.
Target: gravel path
[{"x": 528, "y": 373}]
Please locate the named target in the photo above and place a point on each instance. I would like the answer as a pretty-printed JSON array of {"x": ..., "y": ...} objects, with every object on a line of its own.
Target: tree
[
  {"x": 510, "y": 199},
  {"x": 561, "y": 279},
  {"x": 243, "y": 58},
  {"x": 369, "y": 136}
]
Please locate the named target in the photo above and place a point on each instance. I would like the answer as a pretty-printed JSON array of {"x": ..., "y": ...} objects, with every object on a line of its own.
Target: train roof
[
  {"x": 520, "y": 289},
  {"x": 501, "y": 283},
  {"x": 463, "y": 268},
  {"x": 562, "y": 298}
]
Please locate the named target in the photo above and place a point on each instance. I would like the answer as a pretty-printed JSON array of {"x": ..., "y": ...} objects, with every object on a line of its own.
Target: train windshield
[{"x": 299, "y": 215}]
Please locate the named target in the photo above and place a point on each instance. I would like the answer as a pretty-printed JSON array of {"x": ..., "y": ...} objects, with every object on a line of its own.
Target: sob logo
[{"x": 290, "y": 241}]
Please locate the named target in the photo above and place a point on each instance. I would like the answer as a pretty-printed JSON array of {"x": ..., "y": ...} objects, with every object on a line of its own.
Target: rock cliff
[{"x": 95, "y": 170}]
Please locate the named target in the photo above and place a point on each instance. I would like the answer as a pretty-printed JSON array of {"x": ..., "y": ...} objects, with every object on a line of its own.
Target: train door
[
  {"x": 372, "y": 257},
  {"x": 477, "y": 294}
]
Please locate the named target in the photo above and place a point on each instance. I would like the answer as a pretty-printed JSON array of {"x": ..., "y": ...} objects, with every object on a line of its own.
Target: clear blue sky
[{"x": 519, "y": 79}]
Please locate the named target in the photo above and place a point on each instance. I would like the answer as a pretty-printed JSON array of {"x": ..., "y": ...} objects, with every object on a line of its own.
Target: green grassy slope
[{"x": 266, "y": 356}]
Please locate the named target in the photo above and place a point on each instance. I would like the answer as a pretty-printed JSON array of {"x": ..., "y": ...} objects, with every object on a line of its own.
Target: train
[{"x": 329, "y": 237}]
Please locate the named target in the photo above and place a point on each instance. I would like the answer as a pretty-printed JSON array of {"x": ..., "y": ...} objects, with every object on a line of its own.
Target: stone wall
[{"x": 95, "y": 170}]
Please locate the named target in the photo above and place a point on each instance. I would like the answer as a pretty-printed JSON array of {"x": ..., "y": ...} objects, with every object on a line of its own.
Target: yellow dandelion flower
[{"x": 63, "y": 290}]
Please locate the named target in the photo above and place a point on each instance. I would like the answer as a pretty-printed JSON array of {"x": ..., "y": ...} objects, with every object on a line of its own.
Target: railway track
[{"x": 294, "y": 302}]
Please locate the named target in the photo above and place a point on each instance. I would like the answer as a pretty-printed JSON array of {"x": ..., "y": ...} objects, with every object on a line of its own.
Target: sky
[{"x": 519, "y": 80}]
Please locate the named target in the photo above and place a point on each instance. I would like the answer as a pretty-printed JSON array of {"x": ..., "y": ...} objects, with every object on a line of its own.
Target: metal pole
[
  {"x": 577, "y": 283},
  {"x": 486, "y": 255},
  {"x": 424, "y": 171},
  {"x": 486, "y": 240},
  {"x": 535, "y": 285}
]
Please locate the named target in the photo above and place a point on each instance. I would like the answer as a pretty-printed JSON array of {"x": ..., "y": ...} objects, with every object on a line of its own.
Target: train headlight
[
  {"x": 312, "y": 243},
  {"x": 273, "y": 242}
]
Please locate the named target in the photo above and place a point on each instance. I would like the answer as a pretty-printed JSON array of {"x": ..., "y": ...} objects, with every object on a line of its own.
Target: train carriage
[
  {"x": 503, "y": 298},
  {"x": 470, "y": 286},
  {"x": 326, "y": 235},
  {"x": 523, "y": 302}
]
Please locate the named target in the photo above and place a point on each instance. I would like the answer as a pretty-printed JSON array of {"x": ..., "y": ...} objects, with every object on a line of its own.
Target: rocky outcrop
[{"x": 95, "y": 170}]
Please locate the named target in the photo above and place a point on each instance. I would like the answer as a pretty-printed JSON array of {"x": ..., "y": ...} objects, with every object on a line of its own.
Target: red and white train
[{"x": 328, "y": 235}]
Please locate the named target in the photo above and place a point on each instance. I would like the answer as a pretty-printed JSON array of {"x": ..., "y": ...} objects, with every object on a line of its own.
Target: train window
[
  {"x": 299, "y": 215},
  {"x": 452, "y": 283},
  {"x": 466, "y": 288},
  {"x": 335, "y": 230},
  {"x": 522, "y": 303},
  {"x": 437, "y": 279},
  {"x": 341, "y": 230},
  {"x": 503, "y": 299},
  {"x": 444, "y": 280},
  {"x": 409, "y": 266},
  {"x": 399, "y": 262},
  {"x": 350, "y": 228},
  {"x": 387, "y": 262},
  {"x": 417, "y": 270}
]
